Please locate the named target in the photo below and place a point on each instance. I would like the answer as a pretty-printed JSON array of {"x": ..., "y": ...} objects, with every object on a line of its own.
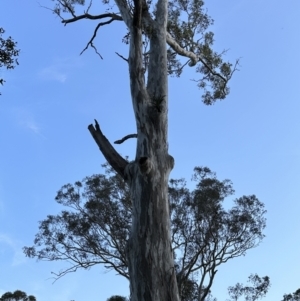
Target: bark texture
[
  {"x": 150, "y": 257},
  {"x": 151, "y": 264}
]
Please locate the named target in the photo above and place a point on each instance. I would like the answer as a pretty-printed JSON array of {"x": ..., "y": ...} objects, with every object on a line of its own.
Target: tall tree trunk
[
  {"x": 151, "y": 264},
  {"x": 150, "y": 257}
]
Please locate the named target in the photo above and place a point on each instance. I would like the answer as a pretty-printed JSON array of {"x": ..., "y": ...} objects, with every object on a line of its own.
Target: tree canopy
[
  {"x": 95, "y": 226},
  {"x": 188, "y": 38},
  {"x": 257, "y": 289},
  {"x": 292, "y": 297},
  {"x": 17, "y": 296},
  {"x": 117, "y": 298},
  {"x": 8, "y": 53}
]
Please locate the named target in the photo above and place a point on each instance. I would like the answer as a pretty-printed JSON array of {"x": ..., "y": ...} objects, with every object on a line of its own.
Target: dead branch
[
  {"x": 125, "y": 138},
  {"x": 113, "y": 16},
  {"x": 193, "y": 58},
  {"x": 117, "y": 162},
  {"x": 90, "y": 43},
  {"x": 122, "y": 57}
]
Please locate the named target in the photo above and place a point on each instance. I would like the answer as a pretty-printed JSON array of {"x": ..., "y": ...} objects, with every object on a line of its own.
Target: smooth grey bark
[
  {"x": 151, "y": 264},
  {"x": 150, "y": 257}
]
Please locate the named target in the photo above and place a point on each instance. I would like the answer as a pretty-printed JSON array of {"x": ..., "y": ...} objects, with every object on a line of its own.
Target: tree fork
[
  {"x": 150, "y": 257},
  {"x": 111, "y": 155}
]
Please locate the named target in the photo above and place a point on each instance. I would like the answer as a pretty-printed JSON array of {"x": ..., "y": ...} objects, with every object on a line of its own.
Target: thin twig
[
  {"x": 66, "y": 5},
  {"x": 122, "y": 57},
  {"x": 90, "y": 5},
  {"x": 90, "y": 43},
  {"x": 53, "y": 11}
]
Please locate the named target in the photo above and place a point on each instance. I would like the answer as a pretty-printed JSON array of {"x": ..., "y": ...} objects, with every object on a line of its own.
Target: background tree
[
  {"x": 292, "y": 297},
  {"x": 17, "y": 296},
  {"x": 204, "y": 234},
  {"x": 182, "y": 25},
  {"x": 117, "y": 298},
  {"x": 96, "y": 225},
  {"x": 8, "y": 53},
  {"x": 257, "y": 289}
]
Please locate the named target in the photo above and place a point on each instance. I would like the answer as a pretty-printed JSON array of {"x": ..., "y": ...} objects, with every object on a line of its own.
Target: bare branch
[
  {"x": 125, "y": 138},
  {"x": 90, "y": 5},
  {"x": 53, "y": 11},
  {"x": 111, "y": 155},
  {"x": 122, "y": 57},
  {"x": 113, "y": 16},
  {"x": 94, "y": 36}
]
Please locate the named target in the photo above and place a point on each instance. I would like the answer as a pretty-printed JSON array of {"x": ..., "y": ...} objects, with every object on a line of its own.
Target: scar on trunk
[{"x": 145, "y": 165}]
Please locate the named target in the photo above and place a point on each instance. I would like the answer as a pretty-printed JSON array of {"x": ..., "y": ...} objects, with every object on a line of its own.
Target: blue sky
[{"x": 252, "y": 137}]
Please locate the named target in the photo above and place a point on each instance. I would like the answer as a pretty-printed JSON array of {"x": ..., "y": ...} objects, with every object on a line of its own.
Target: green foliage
[
  {"x": 95, "y": 227},
  {"x": 17, "y": 296},
  {"x": 257, "y": 290},
  {"x": 117, "y": 298},
  {"x": 8, "y": 53},
  {"x": 204, "y": 234},
  {"x": 189, "y": 289},
  {"x": 66, "y": 6},
  {"x": 292, "y": 297},
  {"x": 188, "y": 24}
]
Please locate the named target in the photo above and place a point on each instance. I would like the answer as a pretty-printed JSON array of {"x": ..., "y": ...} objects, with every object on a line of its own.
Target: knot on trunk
[
  {"x": 145, "y": 165},
  {"x": 171, "y": 162}
]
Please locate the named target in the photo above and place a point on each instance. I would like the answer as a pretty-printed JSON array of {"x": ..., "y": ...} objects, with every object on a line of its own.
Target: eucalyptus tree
[
  {"x": 257, "y": 289},
  {"x": 8, "y": 53},
  {"x": 117, "y": 298},
  {"x": 17, "y": 296},
  {"x": 292, "y": 297},
  {"x": 95, "y": 224},
  {"x": 163, "y": 37}
]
